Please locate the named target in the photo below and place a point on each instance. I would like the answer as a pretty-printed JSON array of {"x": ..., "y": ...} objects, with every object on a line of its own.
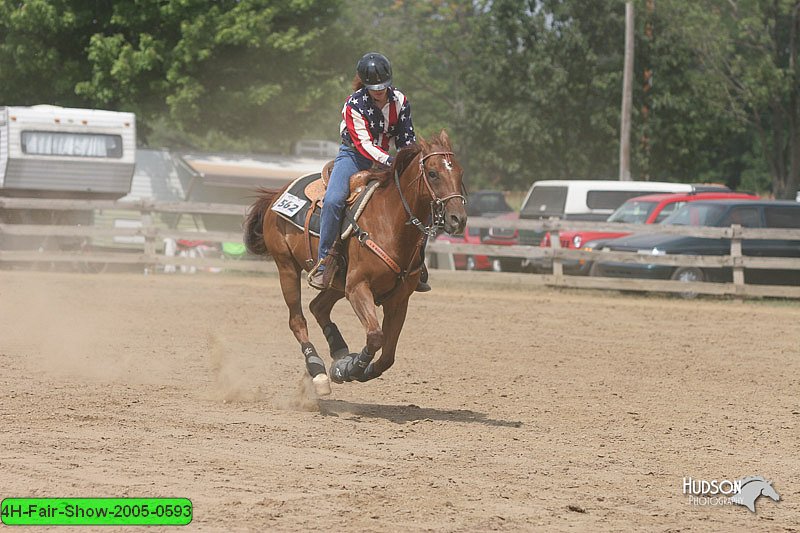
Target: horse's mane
[
  {"x": 407, "y": 154},
  {"x": 404, "y": 157}
]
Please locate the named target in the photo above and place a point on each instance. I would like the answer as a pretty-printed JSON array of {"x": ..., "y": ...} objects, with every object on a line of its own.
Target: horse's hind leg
[
  {"x": 290, "y": 286},
  {"x": 321, "y": 307}
]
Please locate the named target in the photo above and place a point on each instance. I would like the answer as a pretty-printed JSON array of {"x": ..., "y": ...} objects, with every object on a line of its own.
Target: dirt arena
[{"x": 510, "y": 407}]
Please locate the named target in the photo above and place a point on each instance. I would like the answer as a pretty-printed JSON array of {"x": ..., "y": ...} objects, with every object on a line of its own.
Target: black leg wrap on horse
[
  {"x": 351, "y": 367},
  {"x": 314, "y": 363},
  {"x": 369, "y": 373},
  {"x": 335, "y": 340}
]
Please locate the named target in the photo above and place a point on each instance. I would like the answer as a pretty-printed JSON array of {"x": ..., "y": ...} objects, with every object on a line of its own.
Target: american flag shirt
[{"x": 369, "y": 129}]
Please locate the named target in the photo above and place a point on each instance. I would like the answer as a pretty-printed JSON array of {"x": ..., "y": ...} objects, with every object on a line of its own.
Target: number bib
[{"x": 288, "y": 204}]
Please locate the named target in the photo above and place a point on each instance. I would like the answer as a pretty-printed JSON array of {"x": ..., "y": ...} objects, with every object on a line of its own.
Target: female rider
[{"x": 373, "y": 115}]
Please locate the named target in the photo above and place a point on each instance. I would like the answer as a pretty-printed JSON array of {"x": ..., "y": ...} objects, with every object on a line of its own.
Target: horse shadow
[{"x": 402, "y": 414}]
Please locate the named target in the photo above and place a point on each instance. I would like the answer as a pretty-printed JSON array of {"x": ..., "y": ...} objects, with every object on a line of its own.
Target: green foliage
[
  {"x": 545, "y": 91},
  {"x": 748, "y": 51},
  {"x": 528, "y": 89},
  {"x": 233, "y": 69},
  {"x": 42, "y": 49}
]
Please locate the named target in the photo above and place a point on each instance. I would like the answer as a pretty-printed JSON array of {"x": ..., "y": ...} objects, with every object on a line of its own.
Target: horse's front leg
[
  {"x": 394, "y": 316},
  {"x": 353, "y": 366}
]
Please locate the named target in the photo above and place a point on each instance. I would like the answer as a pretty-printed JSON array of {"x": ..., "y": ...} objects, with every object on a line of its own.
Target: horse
[{"x": 383, "y": 261}]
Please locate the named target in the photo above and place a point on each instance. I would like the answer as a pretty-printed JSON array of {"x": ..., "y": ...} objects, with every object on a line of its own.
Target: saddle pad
[{"x": 299, "y": 204}]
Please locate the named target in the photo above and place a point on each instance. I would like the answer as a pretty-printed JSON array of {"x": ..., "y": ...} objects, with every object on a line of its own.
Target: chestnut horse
[{"x": 423, "y": 185}]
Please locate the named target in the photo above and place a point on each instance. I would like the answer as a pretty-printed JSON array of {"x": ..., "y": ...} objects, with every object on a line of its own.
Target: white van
[{"x": 588, "y": 199}]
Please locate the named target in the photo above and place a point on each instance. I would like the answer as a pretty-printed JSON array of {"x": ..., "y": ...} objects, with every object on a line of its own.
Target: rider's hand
[{"x": 381, "y": 166}]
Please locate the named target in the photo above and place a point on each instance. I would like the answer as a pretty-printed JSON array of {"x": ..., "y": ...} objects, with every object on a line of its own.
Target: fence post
[
  {"x": 736, "y": 256},
  {"x": 555, "y": 244},
  {"x": 149, "y": 240}
]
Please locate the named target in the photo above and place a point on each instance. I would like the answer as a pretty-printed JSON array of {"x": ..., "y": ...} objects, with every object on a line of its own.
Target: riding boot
[
  {"x": 422, "y": 285},
  {"x": 322, "y": 275},
  {"x": 317, "y": 275}
]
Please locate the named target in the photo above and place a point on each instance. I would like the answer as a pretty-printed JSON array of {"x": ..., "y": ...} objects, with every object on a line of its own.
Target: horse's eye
[{"x": 433, "y": 174}]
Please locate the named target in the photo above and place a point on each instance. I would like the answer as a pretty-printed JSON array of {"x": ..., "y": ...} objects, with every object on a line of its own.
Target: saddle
[
  {"x": 304, "y": 198},
  {"x": 315, "y": 190}
]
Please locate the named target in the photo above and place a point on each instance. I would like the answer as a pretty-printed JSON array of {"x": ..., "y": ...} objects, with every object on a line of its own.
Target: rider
[{"x": 372, "y": 116}]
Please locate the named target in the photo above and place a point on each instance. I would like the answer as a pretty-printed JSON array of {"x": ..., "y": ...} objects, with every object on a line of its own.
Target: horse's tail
[{"x": 254, "y": 223}]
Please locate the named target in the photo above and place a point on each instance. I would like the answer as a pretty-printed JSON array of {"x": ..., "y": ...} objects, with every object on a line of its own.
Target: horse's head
[{"x": 443, "y": 177}]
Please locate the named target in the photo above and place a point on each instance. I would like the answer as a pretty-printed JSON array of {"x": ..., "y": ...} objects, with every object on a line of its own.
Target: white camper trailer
[{"x": 58, "y": 152}]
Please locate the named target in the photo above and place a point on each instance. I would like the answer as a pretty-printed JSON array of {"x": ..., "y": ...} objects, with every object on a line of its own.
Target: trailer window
[{"x": 72, "y": 144}]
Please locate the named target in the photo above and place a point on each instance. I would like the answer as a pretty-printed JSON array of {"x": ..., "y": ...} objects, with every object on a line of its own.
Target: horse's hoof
[
  {"x": 339, "y": 370},
  {"x": 322, "y": 385}
]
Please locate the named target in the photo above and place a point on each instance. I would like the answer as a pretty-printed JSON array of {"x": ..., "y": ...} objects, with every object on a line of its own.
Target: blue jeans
[{"x": 347, "y": 163}]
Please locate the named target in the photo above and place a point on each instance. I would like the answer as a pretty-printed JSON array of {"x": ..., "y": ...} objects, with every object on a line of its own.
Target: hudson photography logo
[{"x": 744, "y": 491}]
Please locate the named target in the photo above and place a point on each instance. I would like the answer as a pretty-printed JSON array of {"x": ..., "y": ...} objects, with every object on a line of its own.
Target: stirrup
[
  {"x": 316, "y": 278},
  {"x": 324, "y": 272}
]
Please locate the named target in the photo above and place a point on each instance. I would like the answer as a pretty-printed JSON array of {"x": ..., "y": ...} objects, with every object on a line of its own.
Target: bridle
[{"x": 437, "y": 204}]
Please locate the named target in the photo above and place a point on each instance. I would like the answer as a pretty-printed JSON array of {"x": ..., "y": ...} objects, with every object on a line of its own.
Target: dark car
[
  {"x": 723, "y": 213},
  {"x": 649, "y": 209},
  {"x": 484, "y": 203},
  {"x": 487, "y": 203}
]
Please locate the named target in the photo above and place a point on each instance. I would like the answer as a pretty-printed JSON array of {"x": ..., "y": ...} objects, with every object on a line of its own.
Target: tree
[
  {"x": 545, "y": 90},
  {"x": 682, "y": 133},
  {"x": 748, "y": 49},
  {"x": 42, "y": 49},
  {"x": 236, "y": 68},
  {"x": 246, "y": 68}
]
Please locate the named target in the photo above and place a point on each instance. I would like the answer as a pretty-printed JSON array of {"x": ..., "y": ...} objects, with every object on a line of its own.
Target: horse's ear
[
  {"x": 445, "y": 139},
  {"x": 423, "y": 144}
]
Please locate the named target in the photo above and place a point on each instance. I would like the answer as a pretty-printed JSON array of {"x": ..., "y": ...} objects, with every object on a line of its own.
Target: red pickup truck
[{"x": 650, "y": 209}]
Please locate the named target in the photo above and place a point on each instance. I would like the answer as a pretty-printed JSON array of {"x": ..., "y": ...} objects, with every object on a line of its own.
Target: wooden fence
[
  {"x": 734, "y": 260},
  {"x": 152, "y": 234}
]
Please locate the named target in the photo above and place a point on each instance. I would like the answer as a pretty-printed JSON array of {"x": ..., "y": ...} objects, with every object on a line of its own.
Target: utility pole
[
  {"x": 627, "y": 99},
  {"x": 647, "y": 86}
]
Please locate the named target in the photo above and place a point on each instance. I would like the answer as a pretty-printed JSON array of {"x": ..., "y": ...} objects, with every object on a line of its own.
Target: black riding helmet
[{"x": 375, "y": 71}]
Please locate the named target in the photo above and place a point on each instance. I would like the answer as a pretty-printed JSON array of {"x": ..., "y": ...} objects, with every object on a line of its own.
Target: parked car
[
  {"x": 502, "y": 236},
  {"x": 650, "y": 209},
  {"x": 721, "y": 213},
  {"x": 487, "y": 203},
  {"x": 581, "y": 200},
  {"x": 484, "y": 203},
  {"x": 466, "y": 261}
]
